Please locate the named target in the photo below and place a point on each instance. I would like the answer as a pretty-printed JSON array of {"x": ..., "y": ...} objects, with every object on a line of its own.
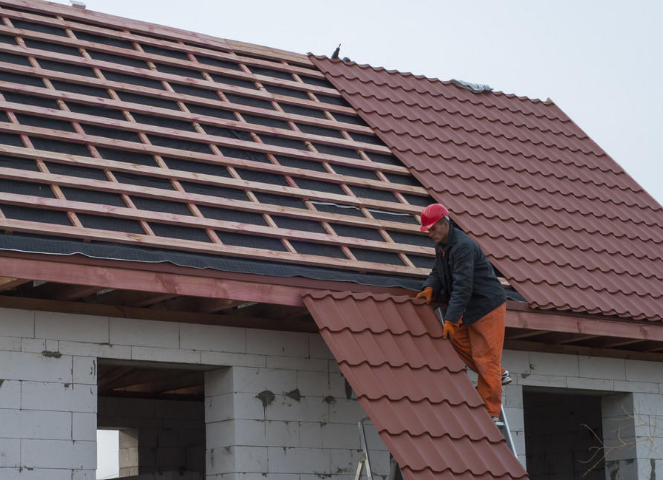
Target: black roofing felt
[{"x": 110, "y": 251}]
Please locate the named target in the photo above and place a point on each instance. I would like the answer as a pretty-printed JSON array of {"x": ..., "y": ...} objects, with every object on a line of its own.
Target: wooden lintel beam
[{"x": 7, "y": 283}]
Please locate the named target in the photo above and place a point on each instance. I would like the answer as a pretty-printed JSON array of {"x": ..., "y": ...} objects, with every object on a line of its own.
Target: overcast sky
[{"x": 600, "y": 61}]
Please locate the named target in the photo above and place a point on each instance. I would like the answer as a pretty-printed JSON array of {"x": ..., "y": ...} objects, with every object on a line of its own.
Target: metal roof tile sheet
[
  {"x": 560, "y": 219},
  {"x": 413, "y": 386}
]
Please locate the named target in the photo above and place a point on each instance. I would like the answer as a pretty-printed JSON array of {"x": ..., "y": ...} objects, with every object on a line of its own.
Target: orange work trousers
[{"x": 479, "y": 345}]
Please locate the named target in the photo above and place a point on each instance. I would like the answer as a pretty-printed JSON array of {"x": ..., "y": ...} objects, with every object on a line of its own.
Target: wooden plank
[
  {"x": 598, "y": 326},
  {"x": 200, "y": 247},
  {"x": 59, "y": 291},
  {"x": 160, "y": 315},
  {"x": 156, "y": 75},
  {"x": 207, "y": 200},
  {"x": 49, "y": 178},
  {"x": 9, "y": 283},
  {"x": 198, "y": 137},
  {"x": 166, "y": 112},
  {"x": 130, "y": 298}
]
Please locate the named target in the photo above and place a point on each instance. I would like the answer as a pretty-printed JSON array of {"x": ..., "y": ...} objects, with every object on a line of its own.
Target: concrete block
[
  {"x": 171, "y": 355},
  {"x": 299, "y": 460},
  {"x": 144, "y": 333},
  {"x": 85, "y": 370},
  {"x": 640, "y": 371},
  {"x": 10, "y": 394},
  {"x": 515, "y": 418},
  {"x": 212, "y": 337},
  {"x": 256, "y": 380},
  {"x": 639, "y": 387},
  {"x": 119, "y": 352},
  {"x": 219, "y": 461},
  {"x": 647, "y": 404},
  {"x": 34, "y": 366},
  {"x": 346, "y": 411},
  {"x": 33, "y": 345},
  {"x": 320, "y": 384},
  {"x": 70, "y": 327},
  {"x": 218, "y": 382},
  {"x": 44, "y": 425},
  {"x": 10, "y": 452},
  {"x": 269, "y": 342},
  {"x": 318, "y": 348},
  {"x": 233, "y": 405},
  {"x": 513, "y": 396},
  {"x": 64, "y": 397},
  {"x": 232, "y": 359},
  {"x": 84, "y": 426},
  {"x": 34, "y": 474},
  {"x": 297, "y": 363},
  {"x": 17, "y": 323},
  {"x": 220, "y": 434},
  {"x": 590, "y": 384},
  {"x": 340, "y": 435},
  {"x": 310, "y": 434},
  {"x": 59, "y": 454},
  {"x": 598, "y": 367},
  {"x": 516, "y": 361},
  {"x": 345, "y": 461},
  {"x": 542, "y": 380},
  {"x": 307, "y": 409},
  {"x": 84, "y": 475},
  {"x": 10, "y": 420},
  {"x": 542, "y": 363},
  {"x": 12, "y": 344},
  {"x": 242, "y": 459}
]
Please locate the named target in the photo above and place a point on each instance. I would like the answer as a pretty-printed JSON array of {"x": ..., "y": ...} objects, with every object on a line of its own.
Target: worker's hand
[
  {"x": 448, "y": 330},
  {"x": 427, "y": 294}
]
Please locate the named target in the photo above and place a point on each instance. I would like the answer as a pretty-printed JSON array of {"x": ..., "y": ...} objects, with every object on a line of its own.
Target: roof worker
[{"x": 474, "y": 319}]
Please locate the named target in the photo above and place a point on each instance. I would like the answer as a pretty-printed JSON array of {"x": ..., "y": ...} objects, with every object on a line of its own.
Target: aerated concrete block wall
[
  {"x": 632, "y": 404},
  {"x": 276, "y": 404}
]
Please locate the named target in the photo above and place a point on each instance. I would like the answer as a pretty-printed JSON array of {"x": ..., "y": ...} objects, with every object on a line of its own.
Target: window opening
[{"x": 108, "y": 454}]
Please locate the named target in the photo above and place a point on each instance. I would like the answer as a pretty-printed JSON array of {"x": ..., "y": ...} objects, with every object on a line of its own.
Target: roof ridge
[{"x": 447, "y": 97}]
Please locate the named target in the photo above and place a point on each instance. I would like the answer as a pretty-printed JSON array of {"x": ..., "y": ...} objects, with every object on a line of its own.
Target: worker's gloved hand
[
  {"x": 448, "y": 330},
  {"x": 427, "y": 294}
]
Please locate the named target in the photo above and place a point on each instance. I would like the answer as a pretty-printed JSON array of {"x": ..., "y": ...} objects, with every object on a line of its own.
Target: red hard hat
[{"x": 431, "y": 215}]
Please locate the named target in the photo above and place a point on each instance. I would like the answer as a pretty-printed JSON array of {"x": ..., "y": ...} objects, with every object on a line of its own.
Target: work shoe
[{"x": 506, "y": 378}]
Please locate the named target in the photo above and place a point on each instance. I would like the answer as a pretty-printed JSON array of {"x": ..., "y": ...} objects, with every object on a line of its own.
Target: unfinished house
[{"x": 213, "y": 248}]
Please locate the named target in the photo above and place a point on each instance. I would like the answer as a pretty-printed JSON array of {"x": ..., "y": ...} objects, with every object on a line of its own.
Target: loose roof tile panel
[
  {"x": 125, "y": 132},
  {"x": 413, "y": 386},
  {"x": 556, "y": 215}
]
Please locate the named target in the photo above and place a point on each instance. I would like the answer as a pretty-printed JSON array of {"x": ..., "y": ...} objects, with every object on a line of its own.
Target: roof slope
[
  {"x": 557, "y": 216},
  {"x": 413, "y": 386},
  {"x": 119, "y": 133}
]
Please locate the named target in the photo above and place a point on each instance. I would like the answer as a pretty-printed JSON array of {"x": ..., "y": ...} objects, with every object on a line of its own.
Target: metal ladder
[
  {"x": 503, "y": 426},
  {"x": 365, "y": 461}
]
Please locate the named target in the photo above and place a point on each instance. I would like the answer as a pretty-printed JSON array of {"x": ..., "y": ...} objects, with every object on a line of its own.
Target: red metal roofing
[
  {"x": 413, "y": 386},
  {"x": 560, "y": 219}
]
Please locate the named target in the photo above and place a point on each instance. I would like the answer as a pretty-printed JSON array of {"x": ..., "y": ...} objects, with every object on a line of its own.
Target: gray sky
[{"x": 600, "y": 61}]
